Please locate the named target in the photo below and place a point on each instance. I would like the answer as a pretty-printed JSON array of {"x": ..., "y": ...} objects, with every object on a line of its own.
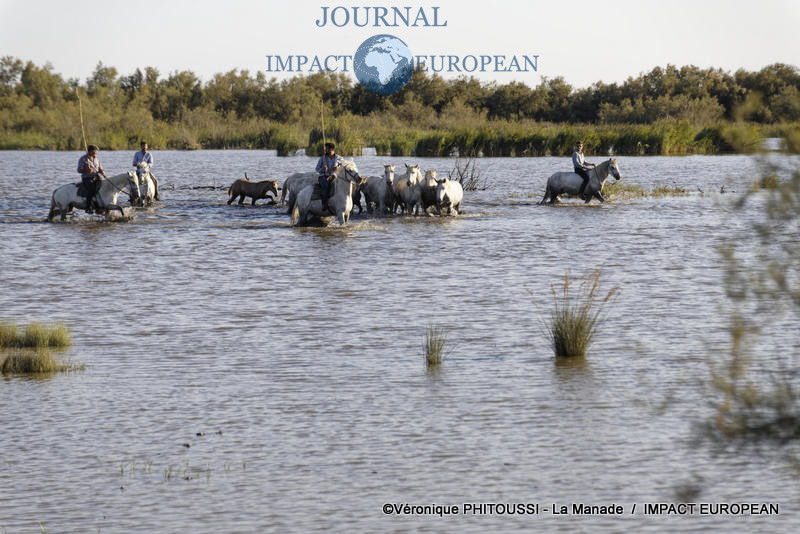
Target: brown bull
[{"x": 245, "y": 188}]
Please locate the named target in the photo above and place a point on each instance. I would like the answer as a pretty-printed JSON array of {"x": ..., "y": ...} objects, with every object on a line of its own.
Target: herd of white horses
[{"x": 409, "y": 192}]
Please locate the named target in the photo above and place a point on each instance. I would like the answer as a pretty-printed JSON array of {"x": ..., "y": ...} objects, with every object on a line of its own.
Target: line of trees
[{"x": 38, "y": 107}]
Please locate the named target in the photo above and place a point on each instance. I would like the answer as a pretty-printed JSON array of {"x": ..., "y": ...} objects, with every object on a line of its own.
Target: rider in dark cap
[
  {"x": 90, "y": 168},
  {"x": 581, "y": 167},
  {"x": 327, "y": 165}
]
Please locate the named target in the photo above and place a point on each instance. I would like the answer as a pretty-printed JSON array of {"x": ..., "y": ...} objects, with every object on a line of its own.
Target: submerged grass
[
  {"x": 575, "y": 316},
  {"x": 34, "y": 335},
  {"x": 624, "y": 189},
  {"x": 435, "y": 342},
  {"x": 661, "y": 190}
]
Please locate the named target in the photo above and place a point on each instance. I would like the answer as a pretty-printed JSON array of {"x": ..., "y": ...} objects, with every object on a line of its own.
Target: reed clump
[
  {"x": 36, "y": 361},
  {"x": 434, "y": 345},
  {"x": 576, "y": 315},
  {"x": 34, "y": 335}
]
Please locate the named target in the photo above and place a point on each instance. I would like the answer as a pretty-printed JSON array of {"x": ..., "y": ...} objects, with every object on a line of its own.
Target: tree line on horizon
[{"x": 39, "y": 109}]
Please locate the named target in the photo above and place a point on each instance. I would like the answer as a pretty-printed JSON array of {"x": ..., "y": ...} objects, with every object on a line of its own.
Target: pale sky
[{"x": 583, "y": 41}]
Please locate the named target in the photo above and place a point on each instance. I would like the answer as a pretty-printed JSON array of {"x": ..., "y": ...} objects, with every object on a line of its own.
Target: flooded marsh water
[{"x": 290, "y": 360}]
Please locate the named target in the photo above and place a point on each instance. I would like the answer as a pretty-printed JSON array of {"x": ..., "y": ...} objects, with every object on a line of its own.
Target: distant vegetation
[{"x": 668, "y": 110}]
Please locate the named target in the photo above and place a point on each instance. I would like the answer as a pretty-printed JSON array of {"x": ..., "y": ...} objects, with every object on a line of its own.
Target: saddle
[
  {"x": 316, "y": 193},
  {"x": 82, "y": 191}
]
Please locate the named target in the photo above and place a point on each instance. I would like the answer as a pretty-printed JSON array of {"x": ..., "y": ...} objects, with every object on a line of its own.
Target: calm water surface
[{"x": 297, "y": 354}]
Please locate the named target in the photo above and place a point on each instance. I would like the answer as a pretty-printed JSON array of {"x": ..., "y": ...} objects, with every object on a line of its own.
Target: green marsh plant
[
  {"x": 434, "y": 345},
  {"x": 34, "y": 336},
  {"x": 576, "y": 314},
  {"x": 756, "y": 402}
]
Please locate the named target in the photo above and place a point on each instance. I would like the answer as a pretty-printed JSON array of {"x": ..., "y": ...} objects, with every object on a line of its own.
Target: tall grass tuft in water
[
  {"x": 34, "y": 335},
  {"x": 435, "y": 341},
  {"x": 575, "y": 316},
  {"x": 37, "y": 361}
]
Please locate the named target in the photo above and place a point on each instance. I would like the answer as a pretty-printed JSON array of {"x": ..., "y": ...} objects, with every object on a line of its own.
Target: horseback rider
[
  {"x": 326, "y": 167},
  {"x": 581, "y": 167},
  {"x": 90, "y": 169},
  {"x": 143, "y": 156}
]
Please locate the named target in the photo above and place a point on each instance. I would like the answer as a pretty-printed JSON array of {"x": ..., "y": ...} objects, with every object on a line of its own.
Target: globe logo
[{"x": 383, "y": 64}]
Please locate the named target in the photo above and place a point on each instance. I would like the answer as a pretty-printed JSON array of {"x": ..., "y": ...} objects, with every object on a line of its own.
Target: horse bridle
[
  {"x": 350, "y": 175},
  {"x": 115, "y": 185}
]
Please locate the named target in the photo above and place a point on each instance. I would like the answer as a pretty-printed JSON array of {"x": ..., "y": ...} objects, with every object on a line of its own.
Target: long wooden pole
[
  {"x": 322, "y": 115},
  {"x": 80, "y": 111}
]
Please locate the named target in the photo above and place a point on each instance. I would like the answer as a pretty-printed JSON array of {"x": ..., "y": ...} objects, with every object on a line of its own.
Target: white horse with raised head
[
  {"x": 346, "y": 180},
  {"x": 570, "y": 182},
  {"x": 66, "y": 197},
  {"x": 378, "y": 191},
  {"x": 407, "y": 190},
  {"x": 144, "y": 188}
]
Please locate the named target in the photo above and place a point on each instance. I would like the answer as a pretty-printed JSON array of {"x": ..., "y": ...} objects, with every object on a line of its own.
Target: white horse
[
  {"x": 449, "y": 195},
  {"x": 570, "y": 182},
  {"x": 144, "y": 188},
  {"x": 407, "y": 191},
  {"x": 66, "y": 197},
  {"x": 378, "y": 191},
  {"x": 346, "y": 180},
  {"x": 293, "y": 185}
]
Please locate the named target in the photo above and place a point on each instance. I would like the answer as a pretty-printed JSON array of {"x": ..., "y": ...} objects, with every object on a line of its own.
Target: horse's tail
[
  {"x": 283, "y": 193},
  {"x": 155, "y": 182},
  {"x": 295, "y": 214},
  {"x": 546, "y": 193},
  {"x": 52, "y": 207}
]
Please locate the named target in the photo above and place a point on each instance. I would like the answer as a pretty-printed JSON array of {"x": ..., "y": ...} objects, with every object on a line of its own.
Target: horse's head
[
  {"x": 413, "y": 176},
  {"x": 442, "y": 199},
  {"x": 348, "y": 171},
  {"x": 134, "y": 191},
  {"x": 142, "y": 170},
  {"x": 430, "y": 178},
  {"x": 388, "y": 172},
  {"x": 614, "y": 169}
]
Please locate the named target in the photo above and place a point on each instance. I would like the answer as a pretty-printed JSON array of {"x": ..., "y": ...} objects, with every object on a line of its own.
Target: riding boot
[
  {"x": 323, "y": 186},
  {"x": 582, "y": 190}
]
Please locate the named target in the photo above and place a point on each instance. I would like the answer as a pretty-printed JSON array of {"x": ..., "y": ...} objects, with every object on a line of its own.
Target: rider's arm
[{"x": 320, "y": 164}]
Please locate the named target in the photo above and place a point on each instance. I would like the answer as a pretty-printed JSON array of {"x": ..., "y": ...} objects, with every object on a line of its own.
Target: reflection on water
[{"x": 296, "y": 355}]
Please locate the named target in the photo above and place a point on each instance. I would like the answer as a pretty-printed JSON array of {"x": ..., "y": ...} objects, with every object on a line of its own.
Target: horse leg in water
[{"x": 599, "y": 196}]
